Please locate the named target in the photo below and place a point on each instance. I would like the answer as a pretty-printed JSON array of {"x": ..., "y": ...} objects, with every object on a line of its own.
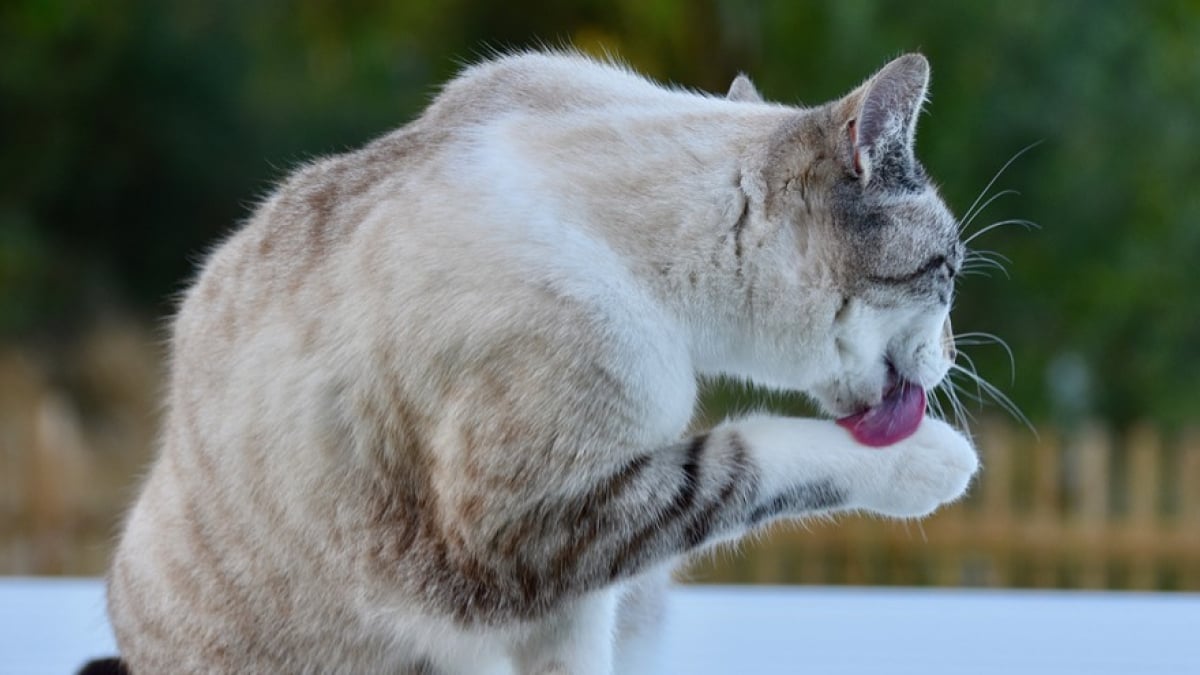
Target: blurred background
[{"x": 137, "y": 133}]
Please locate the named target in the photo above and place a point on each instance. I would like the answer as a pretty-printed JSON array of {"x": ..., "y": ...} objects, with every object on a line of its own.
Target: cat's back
[
  {"x": 382, "y": 299},
  {"x": 542, "y": 83},
  {"x": 430, "y": 164},
  {"x": 455, "y": 207}
]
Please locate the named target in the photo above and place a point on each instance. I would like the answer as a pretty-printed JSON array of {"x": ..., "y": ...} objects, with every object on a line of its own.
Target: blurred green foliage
[{"x": 137, "y": 132}]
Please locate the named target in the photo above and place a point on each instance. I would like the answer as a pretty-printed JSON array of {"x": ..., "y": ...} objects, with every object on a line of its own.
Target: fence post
[
  {"x": 1092, "y": 509},
  {"x": 56, "y": 477},
  {"x": 996, "y": 448},
  {"x": 1187, "y": 520},
  {"x": 1046, "y": 519},
  {"x": 21, "y": 387},
  {"x": 1144, "y": 448}
]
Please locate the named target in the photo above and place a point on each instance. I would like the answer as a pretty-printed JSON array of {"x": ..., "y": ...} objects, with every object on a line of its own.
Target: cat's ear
[
  {"x": 883, "y": 114},
  {"x": 742, "y": 90}
]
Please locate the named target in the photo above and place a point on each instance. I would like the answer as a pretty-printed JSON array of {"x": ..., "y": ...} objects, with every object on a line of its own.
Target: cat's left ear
[
  {"x": 883, "y": 116},
  {"x": 743, "y": 90}
]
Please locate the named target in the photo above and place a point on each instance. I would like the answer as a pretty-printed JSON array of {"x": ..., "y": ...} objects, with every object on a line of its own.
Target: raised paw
[{"x": 930, "y": 468}]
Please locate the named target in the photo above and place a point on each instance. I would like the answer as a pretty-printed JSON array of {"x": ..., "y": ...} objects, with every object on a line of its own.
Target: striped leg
[
  {"x": 722, "y": 484},
  {"x": 713, "y": 487}
]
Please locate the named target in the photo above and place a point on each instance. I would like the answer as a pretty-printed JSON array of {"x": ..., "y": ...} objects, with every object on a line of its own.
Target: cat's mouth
[{"x": 893, "y": 419}]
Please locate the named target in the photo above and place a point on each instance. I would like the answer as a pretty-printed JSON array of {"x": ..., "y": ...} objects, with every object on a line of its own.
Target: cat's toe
[{"x": 931, "y": 468}]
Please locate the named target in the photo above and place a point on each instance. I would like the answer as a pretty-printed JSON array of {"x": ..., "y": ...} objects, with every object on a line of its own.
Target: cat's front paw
[{"x": 930, "y": 468}]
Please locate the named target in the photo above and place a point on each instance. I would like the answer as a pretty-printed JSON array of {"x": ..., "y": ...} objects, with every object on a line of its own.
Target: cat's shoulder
[
  {"x": 542, "y": 82},
  {"x": 561, "y": 68}
]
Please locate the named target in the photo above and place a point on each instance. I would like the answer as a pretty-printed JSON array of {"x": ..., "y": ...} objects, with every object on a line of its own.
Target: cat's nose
[
  {"x": 954, "y": 261},
  {"x": 948, "y": 349}
]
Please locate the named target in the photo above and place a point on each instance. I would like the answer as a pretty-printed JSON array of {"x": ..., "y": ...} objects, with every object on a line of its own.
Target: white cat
[{"x": 426, "y": 407}]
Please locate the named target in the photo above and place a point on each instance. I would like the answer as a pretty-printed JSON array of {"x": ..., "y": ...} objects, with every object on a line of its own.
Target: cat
[{"x": 427, "y": 408}]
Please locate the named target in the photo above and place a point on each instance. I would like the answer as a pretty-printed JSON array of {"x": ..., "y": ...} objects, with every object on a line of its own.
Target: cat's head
[{"x": 850, "y": 254}]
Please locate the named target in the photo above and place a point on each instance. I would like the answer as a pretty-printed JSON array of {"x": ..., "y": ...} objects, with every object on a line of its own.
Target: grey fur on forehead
[{"x": 896, "y": 170}]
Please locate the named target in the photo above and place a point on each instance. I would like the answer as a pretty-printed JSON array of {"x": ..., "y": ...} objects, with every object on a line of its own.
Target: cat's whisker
[
  {"x": 1027, "y": 224},
  {"x": 985, "y": 259},
  {"x": 961, "y": 414},
  {"x": 966, "y": 221},
  {"x": 999, "y": 397},
  {"x": 966, "y": 358},
  {"x": 984, "y": 266},
  {"x": 971, "y": 372},
  {"x": 978, "y": 254},
  {"x": 981, "y": 338},
  {"x": 979, "y": 267},
  {"x": 964, "y": 392},
  {"x": 961, "y": 410},
  {"x": 935, "y": 404},
  {"x": 980, "y": 262},
  {"x": 949, "y": 390},
  {"x": 971, "y": 212},
  {"x": 974, "y": 273}
]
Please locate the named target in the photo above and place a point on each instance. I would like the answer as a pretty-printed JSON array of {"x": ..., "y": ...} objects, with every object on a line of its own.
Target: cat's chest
[{"x": 661, "y": 379}]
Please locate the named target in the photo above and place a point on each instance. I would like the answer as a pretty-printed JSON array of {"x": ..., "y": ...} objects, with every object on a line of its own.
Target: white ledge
[{"x": 53, "y": 625}]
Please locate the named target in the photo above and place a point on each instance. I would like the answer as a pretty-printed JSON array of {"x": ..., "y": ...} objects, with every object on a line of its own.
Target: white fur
[
  {"x": 597, "y": 186},
  {"x": 543, "y": 217}
]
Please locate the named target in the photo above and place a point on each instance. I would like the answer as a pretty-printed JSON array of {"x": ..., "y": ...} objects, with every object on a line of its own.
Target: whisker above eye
[
  {"x": 971, "y": 212},
  {"x": 1027, "y": 224},
  {"x": 966, "y": 221}
]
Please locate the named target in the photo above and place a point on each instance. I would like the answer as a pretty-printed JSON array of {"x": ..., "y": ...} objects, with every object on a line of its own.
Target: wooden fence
[
  {"x": 1085, "y": 510},
  {"x": 77, "y": 428},
  {"x": 1081, "y": 510}
]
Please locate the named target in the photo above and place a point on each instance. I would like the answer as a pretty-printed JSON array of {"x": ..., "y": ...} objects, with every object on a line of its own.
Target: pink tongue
[{"x": 895, "y": 418}]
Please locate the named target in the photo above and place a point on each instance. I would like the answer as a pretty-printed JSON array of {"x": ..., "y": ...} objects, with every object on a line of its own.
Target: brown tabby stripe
[
  {"x": 233, "y": 524},
  {"x": 490, "y": 591},
  {"x": 592, "y": 509},
  {"x": 204, "y": 558},
  {"x": 587, "y": 518},
  {"x": 701, "y": 524},
  {"x": 684, "y": 498},
  {"x": 422, "y": 667},
  {"x": 134, "y": 601},
  {"x": 502, "y": 582}
]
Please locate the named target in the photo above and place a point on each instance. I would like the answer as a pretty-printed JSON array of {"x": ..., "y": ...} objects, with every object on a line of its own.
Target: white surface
[
  {"x": 933, "y": 632},
  {"x": 53, "y": 625}
]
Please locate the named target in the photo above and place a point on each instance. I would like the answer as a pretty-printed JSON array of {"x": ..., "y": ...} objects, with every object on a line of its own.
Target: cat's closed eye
[{"x": 937, "y": 264}]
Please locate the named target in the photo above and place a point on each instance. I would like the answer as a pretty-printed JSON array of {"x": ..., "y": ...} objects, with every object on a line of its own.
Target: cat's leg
[
  {"x": 640, "y": 617},
  {"x": 574, "y": 640},
  {"x": 613, "y": 631},
  {"x": 814, "y": 465},
  {"x": 720, "y": 485},
  {"x": 631, "y": 510}
]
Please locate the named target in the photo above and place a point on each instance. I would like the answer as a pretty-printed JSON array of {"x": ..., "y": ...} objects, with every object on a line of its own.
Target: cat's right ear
[
  {"x": 882, "y": 114},
  {"x": 743, "y": 90}
]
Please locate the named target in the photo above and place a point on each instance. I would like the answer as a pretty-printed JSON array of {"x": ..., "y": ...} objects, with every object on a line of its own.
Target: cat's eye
[{"x": 938, "y": 264}]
